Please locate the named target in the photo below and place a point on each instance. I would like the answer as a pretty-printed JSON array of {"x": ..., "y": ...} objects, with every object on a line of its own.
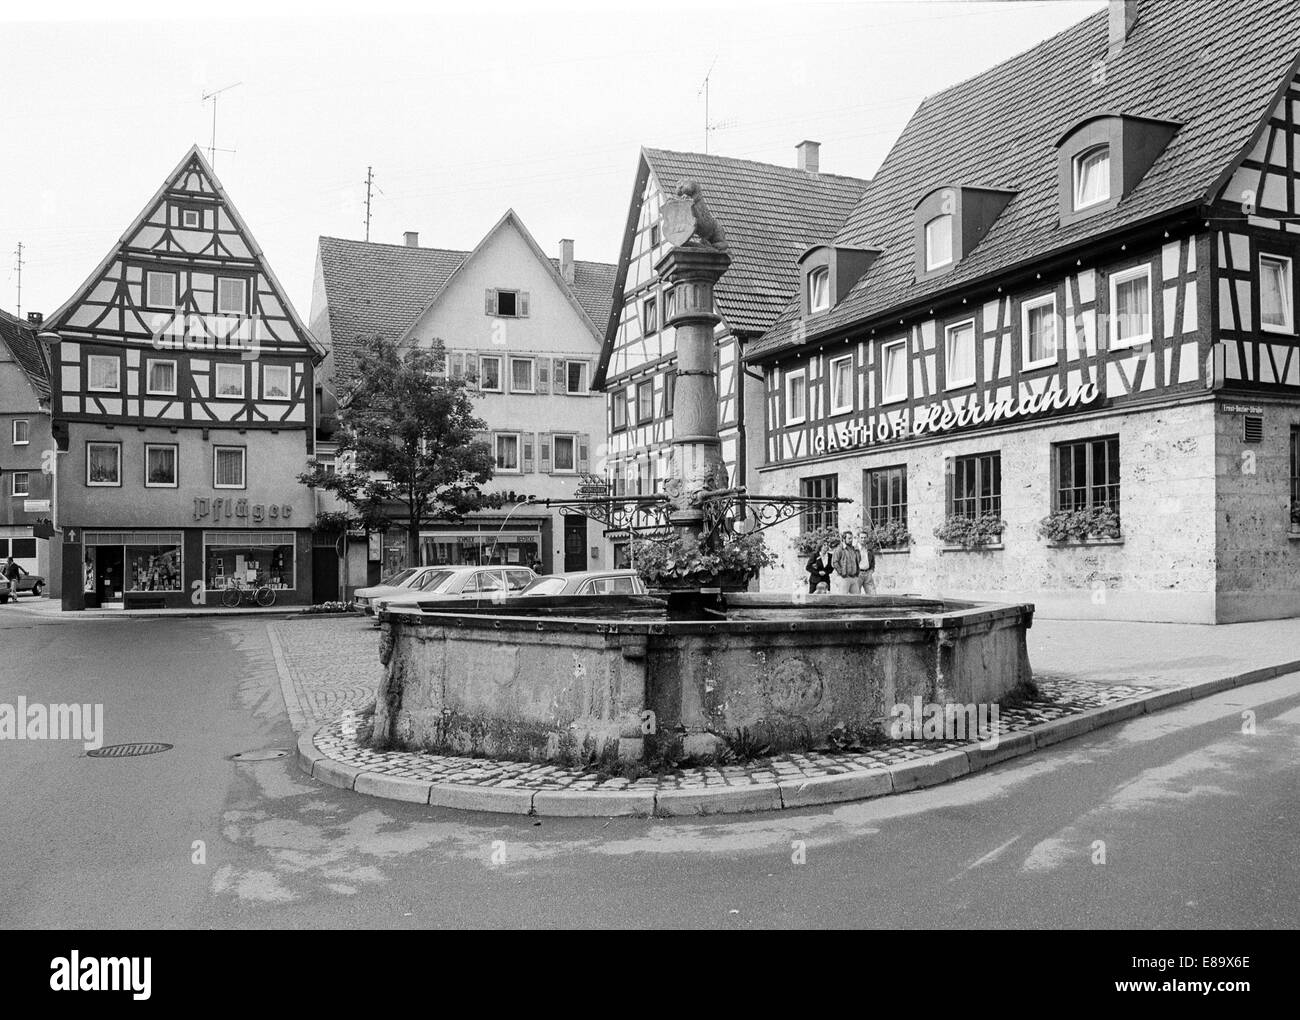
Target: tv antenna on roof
[
  {"x": 705, "y": 89},
  {"x": 214, "y": 95}
]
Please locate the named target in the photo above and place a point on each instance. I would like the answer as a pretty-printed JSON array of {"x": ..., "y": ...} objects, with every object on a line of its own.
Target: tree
[{"x": 409, "y": 429}]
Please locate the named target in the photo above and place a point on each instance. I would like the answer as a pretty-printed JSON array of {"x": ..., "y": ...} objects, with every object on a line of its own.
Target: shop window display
[{"x": 153, "y": 568}]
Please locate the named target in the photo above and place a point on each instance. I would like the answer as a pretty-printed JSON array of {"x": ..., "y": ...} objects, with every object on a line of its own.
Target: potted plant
[
  {"x": 809, "y": 543},
  {"x": 971, "y": 532},
  {"x": 890, "y": 534},
  {"x": 683, "y": 563},
  {"x": 1080, "y": 525}
]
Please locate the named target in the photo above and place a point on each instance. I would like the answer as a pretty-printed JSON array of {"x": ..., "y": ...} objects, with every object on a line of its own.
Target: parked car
[
  {"x": 462, "y": 583},
  {"x": 589, "y": 582},
  {"x": 410, "y": 579},
  {"x": 29, "y": 584},
  {"x": 4, "y": 591}
]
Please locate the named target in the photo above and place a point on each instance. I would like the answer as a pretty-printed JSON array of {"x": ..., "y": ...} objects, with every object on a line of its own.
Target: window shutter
[
  {"x": 543, "y": 378},
  {"x": 521, "y": 305},
  {"x": 528, "y": 453},
  {"x": 584, "y": 445},
  {"x": 456, "y": 366},
  {"x": 490, "y": 302},
  {"x": 544, "y": 442},
  {"x": 559, "y": 377}
]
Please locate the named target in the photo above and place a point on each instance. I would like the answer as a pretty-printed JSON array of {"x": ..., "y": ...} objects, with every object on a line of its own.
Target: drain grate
[
  {"x": 127, "y": 750},
  {"x": 267, "y": 754}
]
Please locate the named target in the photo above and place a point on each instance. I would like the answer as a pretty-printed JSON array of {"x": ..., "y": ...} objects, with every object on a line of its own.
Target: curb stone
[{"x": 784, "y": 794}]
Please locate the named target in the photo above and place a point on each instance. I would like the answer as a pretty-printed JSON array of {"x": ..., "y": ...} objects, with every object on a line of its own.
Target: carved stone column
[{"x": 697, "y": 465}]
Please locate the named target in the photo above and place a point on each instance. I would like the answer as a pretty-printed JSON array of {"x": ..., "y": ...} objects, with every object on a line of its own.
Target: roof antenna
[
  {"x": 705, "y": 89},
  {"x": 212, "y": 148},
  {"x": 19, "y": 267}
]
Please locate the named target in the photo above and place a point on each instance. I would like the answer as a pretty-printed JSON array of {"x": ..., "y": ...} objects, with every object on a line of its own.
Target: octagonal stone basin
[{"x": 529, "y": 677}]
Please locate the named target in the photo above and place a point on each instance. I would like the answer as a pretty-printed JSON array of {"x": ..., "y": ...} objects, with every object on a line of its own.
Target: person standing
[
  {"x": 847, "y": 560},
  {"x": 867, "y": 570},
  {"x": 12, "y": 573},
  {"x": 820, "y": 568}
]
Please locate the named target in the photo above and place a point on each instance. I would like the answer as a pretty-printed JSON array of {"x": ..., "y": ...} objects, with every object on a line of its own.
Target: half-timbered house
[
  {"x": 523, "y": 327},
  {"x": 770, "y": 214},
  {"x": 183, "y": 412},
  {"x": 1066, "y": 308}
]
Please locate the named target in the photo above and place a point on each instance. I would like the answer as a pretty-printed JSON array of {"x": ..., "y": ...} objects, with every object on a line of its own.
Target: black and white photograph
[{"x": 692, "y": 466}]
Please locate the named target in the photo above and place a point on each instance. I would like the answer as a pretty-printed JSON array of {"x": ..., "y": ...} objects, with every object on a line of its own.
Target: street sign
[{"x": 36, "y": 506}]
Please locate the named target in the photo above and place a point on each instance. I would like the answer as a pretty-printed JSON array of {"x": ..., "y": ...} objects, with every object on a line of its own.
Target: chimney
[
  {"x": 34, "y": 319},
  {"x": 412, "y": 238},
  {"x": 1123, "y": 16},
  {"x": 809, "y": 156},
  {"x": 566, "y": 260}
]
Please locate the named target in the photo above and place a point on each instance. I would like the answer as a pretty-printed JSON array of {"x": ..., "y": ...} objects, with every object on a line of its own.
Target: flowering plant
[
  {"x": 971, "y": 532},
  {"x": 683, "y": 560},
  {"x": 1077, "y": 525}
]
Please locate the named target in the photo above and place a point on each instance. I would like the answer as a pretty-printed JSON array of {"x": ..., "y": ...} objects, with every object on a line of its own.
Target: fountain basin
[{"x": 535, "y": 678}]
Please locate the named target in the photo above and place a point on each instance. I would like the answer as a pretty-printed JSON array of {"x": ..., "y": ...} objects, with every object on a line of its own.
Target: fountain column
[{"x": 697, "y": 464}]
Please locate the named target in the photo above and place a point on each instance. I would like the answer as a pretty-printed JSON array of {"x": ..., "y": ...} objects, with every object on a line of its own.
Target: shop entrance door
[
  {"x": 575, "y": 543},
  {"x": 324, "y": 575},
  {"x": 109, "y": 563}
]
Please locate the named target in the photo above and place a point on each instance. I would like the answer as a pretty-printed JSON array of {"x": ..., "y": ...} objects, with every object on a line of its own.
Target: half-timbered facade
[
  {"x": 183, "y": 412},
  {"x": 770, "y": 214},
  {"x": 1086, "y": 306}
]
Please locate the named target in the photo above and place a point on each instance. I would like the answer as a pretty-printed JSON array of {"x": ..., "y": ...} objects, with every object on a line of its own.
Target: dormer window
[
  {"x": 1092, "y": 176},
  {"x": 819, "y": 289},
  {"x": 938, "y": 242}
]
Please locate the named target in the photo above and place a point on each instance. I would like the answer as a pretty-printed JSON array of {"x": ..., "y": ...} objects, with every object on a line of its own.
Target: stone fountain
[{"x": 528, "y": 678}]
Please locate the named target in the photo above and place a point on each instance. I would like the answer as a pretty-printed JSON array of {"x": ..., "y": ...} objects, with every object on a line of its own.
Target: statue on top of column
[{"x": 687, "y": 216}]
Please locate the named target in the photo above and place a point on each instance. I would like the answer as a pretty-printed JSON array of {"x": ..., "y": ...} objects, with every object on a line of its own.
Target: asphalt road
[{"x": 1197, "y": 821}]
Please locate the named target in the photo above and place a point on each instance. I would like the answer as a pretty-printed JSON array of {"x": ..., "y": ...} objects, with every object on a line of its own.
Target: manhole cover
[
  {"x": 268, "y": 754},
  {"x": 127, "y": 750}
]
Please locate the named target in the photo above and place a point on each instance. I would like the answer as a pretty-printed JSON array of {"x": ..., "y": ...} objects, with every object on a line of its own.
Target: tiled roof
[
  {"x": 771, "y": 215},
  {"x": 593, "y": 286},
  {"x": 377, "y": 289},
  {"x": 1211, "y": 67},
  {"x": 21, "y": 340}
]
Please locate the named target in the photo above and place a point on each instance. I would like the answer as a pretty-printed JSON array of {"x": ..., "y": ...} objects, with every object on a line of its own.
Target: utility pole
[
  {"x": 19, "y": 267},
  {"x": 370, "y": 180},
  {"x": 212, "y": 147}
]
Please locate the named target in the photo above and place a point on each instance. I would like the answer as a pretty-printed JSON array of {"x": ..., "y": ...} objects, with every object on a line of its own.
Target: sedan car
[
  {"x": 489, "y": 583},
  {"x": 589, "y": 582},
  {"x": 28, "y": 584},
  {"x": 410, "y": 579},
  {"x": 5, "y": 591}
]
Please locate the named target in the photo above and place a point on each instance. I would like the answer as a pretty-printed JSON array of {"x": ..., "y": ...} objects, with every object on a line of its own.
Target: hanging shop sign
[
  {"x": 223, "y": 507},
  {"x": 936, "y": 418}
]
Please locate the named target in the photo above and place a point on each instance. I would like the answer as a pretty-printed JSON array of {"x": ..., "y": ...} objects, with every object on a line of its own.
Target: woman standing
[{"x": 820, "y": 568}]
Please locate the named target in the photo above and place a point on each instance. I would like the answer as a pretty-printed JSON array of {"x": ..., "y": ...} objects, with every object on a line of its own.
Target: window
[
  {"x": 565, "y": 452},
  {"x": 22, "y": 432},
  {"x": 1275, "y": 313},
  {"x": 575, "y": 377},
  {"x": 160, "y": 290},
  {"x": 1130, "y": 307},
  {"x": 228, "y": 467},
  {"x": 191, "y": 219},
  {"x": 256, "y": 557},
  {"x": 22, "y": 481},
  {"x": 230, "y": 380},
  {"x": 819, "y": 289},
  {"x": 521, "y": 375},
  {"x": 232, "y": 296},
  {"x": 618, "y": 409},
  {"x": 103, "y": 463},
  {"x": 842, "y": 384},
  {"x": 886, "y": 494},
  {"x": 1295, "y": 479},
  {"x": 1039, "y": 332},
  {"x": 654, "y": 234},
  {"x": 645, "y": 401},
  {"x": 825, "y": 515},
  {"x": 154, "y": 567},
  {"x": 489, "y": 373},
  {"x": 507, "y": 450},
  {"x": 276, "y": 380},
  {"x": 510, "y": 304},
  {"x": 893, "y": 371},
  {"x": 105, "y": 373},
  {"x": 1092, "y": 176},
  {"x": 976, "y": 486},
  {"x": 938, "y": 241},
  {"x": 160, "y": 378},
  {"x": 670, "y": 391},
  {"x": 159, "y": 466},
  {"x": 959, "y": 355},
  {"x": 796, "y": 397},
  {"x": 650, "y": 315},
  {"x": 1087, "y": 474}
]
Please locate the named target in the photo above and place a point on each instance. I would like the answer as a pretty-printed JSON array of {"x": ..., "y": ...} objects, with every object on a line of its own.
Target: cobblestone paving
[
  {"x": 1061, "y": 697},
  {"x": 333, "y": 662}
]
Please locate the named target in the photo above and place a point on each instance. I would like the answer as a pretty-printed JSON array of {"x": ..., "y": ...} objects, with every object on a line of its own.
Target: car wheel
[{"x": 37, "y": 589}]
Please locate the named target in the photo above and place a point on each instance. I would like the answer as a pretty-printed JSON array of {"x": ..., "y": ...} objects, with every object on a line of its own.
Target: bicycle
[{"x": 237, "y": 593}]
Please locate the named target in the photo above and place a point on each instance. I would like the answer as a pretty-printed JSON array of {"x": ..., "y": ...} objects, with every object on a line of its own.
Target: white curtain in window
[
  {"x": 103, "y": 463},
  {"x": 938, "y": 241},
  {"x": 1274, "y": 296},
  {"x": 819, "y": 289},
  {"x": 842, "y": 383},
  {"x": 1092, "y": 177},
  {"x": 1042, "y": 333},
  {"x": 1132, "y": 308},
  {"x": 104, "y": 373},
  {"x": 961, "y": 354},
  {"x": 162, "y": 377},
  {"x": 230, "y": 467},
  {"x": 895, "y": 380}
]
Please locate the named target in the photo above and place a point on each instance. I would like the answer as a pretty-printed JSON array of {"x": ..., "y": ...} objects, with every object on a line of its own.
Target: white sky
[{"x": 463, "y": 110}]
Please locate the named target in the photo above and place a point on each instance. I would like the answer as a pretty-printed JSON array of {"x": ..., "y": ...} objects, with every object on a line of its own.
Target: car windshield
[
  {"x": 545, "y": 586},
  {"x": 399, "y": 578},
  {"x": 434, "y": 580}
]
